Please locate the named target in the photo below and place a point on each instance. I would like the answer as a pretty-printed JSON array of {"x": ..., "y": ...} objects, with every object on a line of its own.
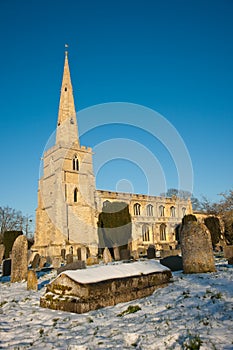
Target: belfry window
[
  {"x": 65, "y": 88},
  {"x": 149, "y": 210},
  {"x": 75, "y": 163},
  {"x": 137, "y": 209},
  {"x": 75, "y": 195},
  {"x": 162, "y": 232},
  {"x": 173, "y": 211},
  {"x": 145, "y": 233},
  {"x": 161, "y": 210}
]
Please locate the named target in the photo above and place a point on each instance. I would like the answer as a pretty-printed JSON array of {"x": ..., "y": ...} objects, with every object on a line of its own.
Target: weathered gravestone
[
  {"x": 2, "y": 251},
  {"x": 196, "y": 247},
  {"x": 56, "y": 262},
  {"x": 48, "y": 260},
  {"x": 228, "y": 251},
  {"x": 42, "y": 262},
  {"x": 6, "y": 267},
  {"x": 19, "y": 268},
  {"x": 92, "y": 260},
  {"x": 32, "y": 282},
  {"x": 69, "y": 258},
  {"x": 125, "y": 254},
  {"x": 107, "y": 258},
  {"x": 36, "y": 261},
  {"x": 116, "y": 253},
  {"x": 151, "y": 252}
]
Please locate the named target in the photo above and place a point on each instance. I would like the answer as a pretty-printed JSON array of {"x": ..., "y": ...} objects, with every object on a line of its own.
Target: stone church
[{"x": 69, "y": 203}]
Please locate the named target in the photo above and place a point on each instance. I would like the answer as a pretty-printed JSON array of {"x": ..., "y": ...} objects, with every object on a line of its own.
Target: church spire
[{"x": 67, "y": 130}]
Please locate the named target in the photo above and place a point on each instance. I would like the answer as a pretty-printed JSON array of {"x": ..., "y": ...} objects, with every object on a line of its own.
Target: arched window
[
  {"x": 75, "y": 163},
  {"x": 161, "y": 210},
  {"x": 183, "y": 211},
  {"x": 75, "y": 195},
  {"x": 149, "y": 210},
  {"x": 173, "y": 211},
  {"x": 145, "y": 233},
  {"x": 162, "y": 232},
  {"x": 137, "y": 209}
]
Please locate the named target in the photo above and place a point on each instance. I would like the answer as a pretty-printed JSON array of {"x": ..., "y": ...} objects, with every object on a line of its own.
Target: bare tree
[{"x": 12, "y": 220}]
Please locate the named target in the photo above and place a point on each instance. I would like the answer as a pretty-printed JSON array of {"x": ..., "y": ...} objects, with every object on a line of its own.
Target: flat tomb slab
[{"x": 80, "y": 291}]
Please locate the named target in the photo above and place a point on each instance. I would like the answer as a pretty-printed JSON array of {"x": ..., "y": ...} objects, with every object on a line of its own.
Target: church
[{"x": 70, "y": 206}]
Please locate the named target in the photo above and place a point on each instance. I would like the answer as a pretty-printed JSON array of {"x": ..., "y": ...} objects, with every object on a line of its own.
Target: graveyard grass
[{"x": 193, "y": 312}]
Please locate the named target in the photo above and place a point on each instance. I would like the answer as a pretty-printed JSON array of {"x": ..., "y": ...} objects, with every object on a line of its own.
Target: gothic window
[
  {"x": 149, "y": 210},
  {"x": 183, "y": 211},
  {"x": 145, "y": 233},
  {"x": 75, "y": 195},
  {"x": 173, "y": 211},
  {"x": 75, "y": 163},
  {"x": 161, "y": 210},
  {"x": 137, "y": 209},
  {"x": 162, "y": 232}
]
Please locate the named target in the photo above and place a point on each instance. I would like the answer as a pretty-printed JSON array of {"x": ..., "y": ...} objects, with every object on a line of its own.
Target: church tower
[{"x": 66, "y": 213}]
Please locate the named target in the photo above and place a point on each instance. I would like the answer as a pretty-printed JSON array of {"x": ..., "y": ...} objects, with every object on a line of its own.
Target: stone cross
[{"x": 19, "y": 267}]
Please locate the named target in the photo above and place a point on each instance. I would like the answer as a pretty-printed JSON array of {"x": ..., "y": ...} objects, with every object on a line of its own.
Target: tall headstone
[
  {"x": 6, "y": 267},
  {"x": 107, "y": 258},
  {"x": 36, "y": 261},
  {"x": 19, "y": 268},
  {"x": 83, "y": 254},
  {"x": 56, "y": 262},
  {"x": 196, "y": 247},
  {"x": 42, "y": 262},
  {"x": 32, "y": 282},
  {"x": 2, "y": 251},
  {"x": 116, "y": 253}
]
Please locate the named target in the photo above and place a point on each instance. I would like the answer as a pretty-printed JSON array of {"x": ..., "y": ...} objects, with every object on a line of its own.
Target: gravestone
[
  {"x": 63, "y": 254},
  {"x": 48, "y": 260},
  {"x": 151, "y": 252},
  {"x": 228, "y": 251},
  {"x": 116, "y": 253},
  {"x": 32, "y": 282},
  {"x": 56, "y": 262},
  {"x": 135, "y": 254},
  {"x": 2, "y": 251},
  {"x": 125, "y": 254},
  {"x": 42, "y": 262},
  {"x": 77, "y": 265},
  {"x": 174, "y": 263},
  {"x": 69, "y": 258},
  {"x": 230, "y": 261},
  {"x": 83, "y": 253},
  {"x": 19, "y": 267},
  {"x": 107, "y": 258},
  {"x": 196, "y": 247},
  {"x": 36, "y": 261},
  {"x": 6, "y": 267}
]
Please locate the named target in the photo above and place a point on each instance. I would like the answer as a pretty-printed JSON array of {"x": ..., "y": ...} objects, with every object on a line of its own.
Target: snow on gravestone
[
  {"x": 19, "y": 267},
  {"x": 196, "y": 247}
]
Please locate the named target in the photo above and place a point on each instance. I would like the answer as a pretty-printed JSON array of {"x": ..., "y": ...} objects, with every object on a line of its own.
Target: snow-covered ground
[{"x": 193, "y": 309}]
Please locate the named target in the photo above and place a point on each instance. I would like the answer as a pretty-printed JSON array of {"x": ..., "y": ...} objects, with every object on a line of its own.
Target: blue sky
[{"x": 173, "y": 56}]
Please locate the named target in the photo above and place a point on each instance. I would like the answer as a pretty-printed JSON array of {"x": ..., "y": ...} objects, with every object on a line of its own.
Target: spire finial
[{"x": 66, "y": 51}]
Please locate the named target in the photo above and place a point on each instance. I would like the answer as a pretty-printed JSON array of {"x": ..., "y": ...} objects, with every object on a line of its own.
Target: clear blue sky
[{"x": 174, "y": 56}]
